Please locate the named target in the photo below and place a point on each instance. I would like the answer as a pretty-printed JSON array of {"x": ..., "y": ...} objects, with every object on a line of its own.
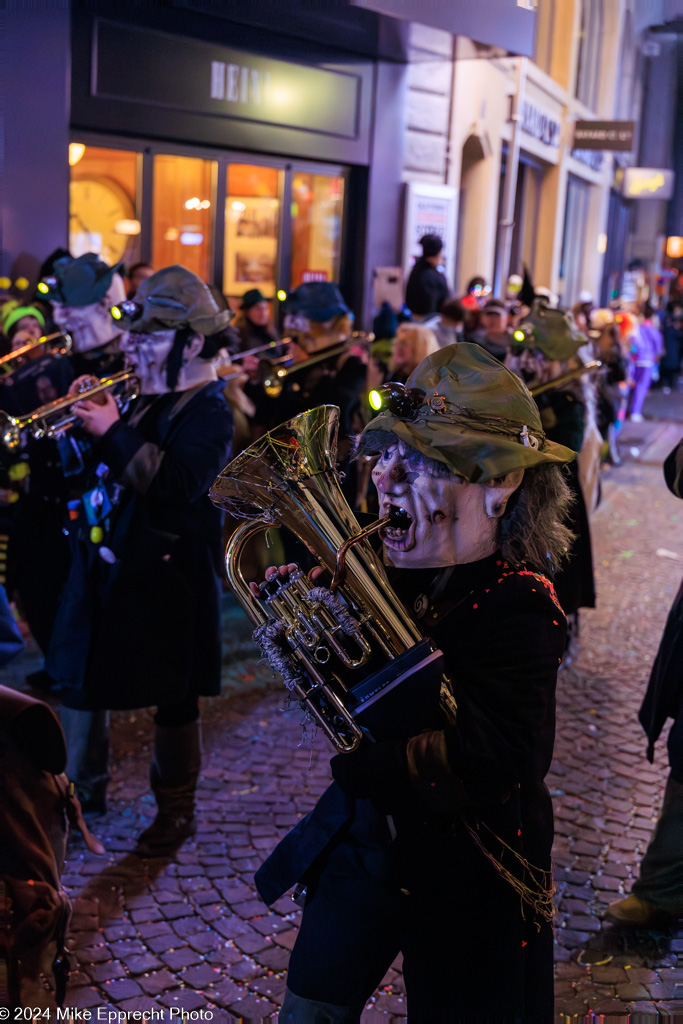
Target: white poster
[{"x": 429, "y": 210}]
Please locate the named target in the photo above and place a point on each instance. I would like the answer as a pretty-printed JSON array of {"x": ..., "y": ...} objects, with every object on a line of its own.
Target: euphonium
[
  {"x": 58, "y": 344},
  {"x": 350, "y": 652},
  {"x": 55, "y": 418}
]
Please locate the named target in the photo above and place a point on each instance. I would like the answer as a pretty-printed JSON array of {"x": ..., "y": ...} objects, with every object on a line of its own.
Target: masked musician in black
[
  {"x": 139, "y": 623},
  {"x": 82, "y": 291},
  {"x": 437, "y": 845}
]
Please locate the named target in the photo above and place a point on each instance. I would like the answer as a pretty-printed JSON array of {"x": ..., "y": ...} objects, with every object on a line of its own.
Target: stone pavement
[{"x": 189, "y": 931}]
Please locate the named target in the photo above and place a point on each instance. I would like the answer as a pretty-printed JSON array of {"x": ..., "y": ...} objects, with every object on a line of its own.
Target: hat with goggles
[
  {"x": 170, "y": 299},
  {"x": 462, "y": 407}
]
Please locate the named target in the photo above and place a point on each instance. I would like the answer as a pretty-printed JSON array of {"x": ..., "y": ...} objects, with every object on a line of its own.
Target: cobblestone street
[{"x": 190, "y": 931}]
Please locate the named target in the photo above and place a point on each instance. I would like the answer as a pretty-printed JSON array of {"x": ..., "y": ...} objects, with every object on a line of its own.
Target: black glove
[{"x": 376, "y": 771}]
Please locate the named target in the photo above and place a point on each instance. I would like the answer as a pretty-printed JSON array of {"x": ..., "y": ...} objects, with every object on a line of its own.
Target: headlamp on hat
[
  {"x": 397, "y": 399},
  {"x": 47, "y": 285},
  {"x": 129, "y": 309},
  {"x": 523, "y": 337}
]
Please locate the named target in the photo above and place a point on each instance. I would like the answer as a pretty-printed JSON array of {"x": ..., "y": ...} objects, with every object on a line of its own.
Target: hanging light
[{"x": 76, "y": 152}]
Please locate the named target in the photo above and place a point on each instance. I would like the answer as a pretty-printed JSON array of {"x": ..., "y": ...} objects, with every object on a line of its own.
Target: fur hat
[{"x": 470, "y": 412}]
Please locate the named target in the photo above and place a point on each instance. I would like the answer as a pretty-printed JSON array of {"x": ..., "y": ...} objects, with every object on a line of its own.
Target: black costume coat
[
  {"x": 664, "y": 696},
  {"x": 145, "y": 630},
  {"x": 502, "y": 632},
  {"x": 427, "y": 288}
]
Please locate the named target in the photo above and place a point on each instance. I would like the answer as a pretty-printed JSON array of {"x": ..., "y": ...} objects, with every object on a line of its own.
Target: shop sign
[
  {"x": 648, "y": 183},
  {"x": 313, "y": 275},
  {"x": 615, "y": 136},
  {"x": 202, "y": 78},
  {"x": 539, "y": 125},
  {"x": 429, "y": 210}
]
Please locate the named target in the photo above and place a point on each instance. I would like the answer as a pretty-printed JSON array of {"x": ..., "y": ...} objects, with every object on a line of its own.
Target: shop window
[
  {"x": 317, "y": 206},
  {"x": 252, "y": 228},
  {"x": 590, "y": 41},
  {"x": 181, "y": 227},
  {"x": 527, "y": 200},
  {"x": 573, "y": 242},
  {"x": 103, "y": 215}
]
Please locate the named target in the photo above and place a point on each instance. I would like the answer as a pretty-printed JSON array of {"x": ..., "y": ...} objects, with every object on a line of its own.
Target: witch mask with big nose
[{"x": 451, "y": 521}]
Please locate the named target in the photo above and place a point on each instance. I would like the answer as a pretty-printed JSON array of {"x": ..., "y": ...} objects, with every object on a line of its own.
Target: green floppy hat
[
  {"x": 170, "y": 299},
  {"x": 552, "y": 331},
  {"x": 475, "y": 416}
]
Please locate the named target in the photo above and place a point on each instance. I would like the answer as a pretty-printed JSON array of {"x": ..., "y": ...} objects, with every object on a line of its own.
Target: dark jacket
[
  {"x": 427, "y": 288},
  {"x": 145, "y": 629},
  {"x": 502, "y": 633},
  {"x": 664, "y": 694}
]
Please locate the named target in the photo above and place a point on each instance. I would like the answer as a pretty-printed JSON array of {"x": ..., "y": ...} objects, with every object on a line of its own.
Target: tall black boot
[{"x": 173, "y": 777}]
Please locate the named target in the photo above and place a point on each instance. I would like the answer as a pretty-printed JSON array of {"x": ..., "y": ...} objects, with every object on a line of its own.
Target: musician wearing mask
[
  {"x": 437, "y": 844},
  {"x": 549, "y": 361},
  {"x": 328, "y": 367},
  {"x": 81, "y": 291},
  {"x": 139, "y": 623}
]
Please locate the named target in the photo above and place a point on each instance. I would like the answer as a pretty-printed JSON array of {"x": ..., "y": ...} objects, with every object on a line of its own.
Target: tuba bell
[
  {"x": 349, "y": 652},
  {"x": 54, "y": 418}
]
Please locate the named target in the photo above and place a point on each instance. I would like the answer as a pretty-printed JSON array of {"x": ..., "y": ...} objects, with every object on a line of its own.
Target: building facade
[{"x": 320, "y": 146}]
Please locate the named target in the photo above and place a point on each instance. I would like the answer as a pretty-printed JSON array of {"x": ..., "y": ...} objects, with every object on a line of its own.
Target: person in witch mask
[
  {"x": 552, "y": 347},
  {"x": 81, "y": 292},
  {"x": 139, "y": 623},
  {"x": 437, "y": 845}
]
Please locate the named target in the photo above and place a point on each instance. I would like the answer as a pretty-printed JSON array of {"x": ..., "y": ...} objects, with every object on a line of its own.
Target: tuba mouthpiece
[{"x": 400, "y": 519}]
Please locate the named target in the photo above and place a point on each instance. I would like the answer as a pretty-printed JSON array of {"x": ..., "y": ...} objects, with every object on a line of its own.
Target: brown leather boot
[{"x": 173, "y": 776}]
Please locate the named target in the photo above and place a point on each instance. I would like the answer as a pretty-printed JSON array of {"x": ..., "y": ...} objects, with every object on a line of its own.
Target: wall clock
[{"x": 96, "y": 206}]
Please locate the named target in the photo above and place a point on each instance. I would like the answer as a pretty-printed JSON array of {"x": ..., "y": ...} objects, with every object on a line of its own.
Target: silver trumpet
[
  {"x": 54, "y": 418},
  {"x": 349, "y": 651}
]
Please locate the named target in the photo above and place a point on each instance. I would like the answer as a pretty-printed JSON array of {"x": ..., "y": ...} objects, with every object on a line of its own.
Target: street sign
[
  {"x": 616, "y": 136},
  {"x": 648, "y": 183}
]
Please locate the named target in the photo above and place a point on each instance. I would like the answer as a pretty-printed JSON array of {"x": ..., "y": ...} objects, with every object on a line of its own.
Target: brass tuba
[
  {"x": 350, "y": 652},
  {"x": 54, "y": 418}
]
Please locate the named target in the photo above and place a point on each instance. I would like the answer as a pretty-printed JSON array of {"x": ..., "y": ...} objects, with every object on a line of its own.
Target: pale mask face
[
  {"x": 452, "y": 521},
  {"x": 147, "y": 355},
  {"x": 91, "y": 326}
]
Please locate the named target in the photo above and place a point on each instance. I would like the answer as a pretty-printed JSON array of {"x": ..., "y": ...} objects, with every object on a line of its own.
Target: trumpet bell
[
  {"x": 54, "y": 418},
  {"x": 56, "y": 345}
]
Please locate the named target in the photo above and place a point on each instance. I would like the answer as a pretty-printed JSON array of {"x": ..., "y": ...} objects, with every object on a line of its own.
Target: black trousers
[{"x": 454, "y": 937}]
